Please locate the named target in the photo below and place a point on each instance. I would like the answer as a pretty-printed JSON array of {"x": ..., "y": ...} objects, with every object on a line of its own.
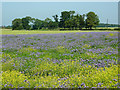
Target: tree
[
  {"x": 52, "y": 25},
  {"x": 81, "y": 21},
  {"x": 67, "y": 20},
  {"x": 38, "y": 24},
  {"x": 69, "y": 24},
  {"x": 72, "y": 14},
  {"x": 17, "y": 24},
  {"x": 56, "y": 20},
  {"x": 46, "y": 22},
  {"x": 26, "y": 21},
  {"x": 76, "y": 21},
  {"x": 65, "y": 15},
  {"x": 92, "y": 20}
]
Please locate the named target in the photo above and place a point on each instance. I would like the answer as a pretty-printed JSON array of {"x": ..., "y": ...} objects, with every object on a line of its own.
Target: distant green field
[{"x": 15, "y": 32}]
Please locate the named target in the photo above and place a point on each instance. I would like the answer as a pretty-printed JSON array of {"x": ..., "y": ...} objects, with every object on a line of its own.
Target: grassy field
[
  {"x": 15, "y": 32},
  {"x": 58, "y": 59}
]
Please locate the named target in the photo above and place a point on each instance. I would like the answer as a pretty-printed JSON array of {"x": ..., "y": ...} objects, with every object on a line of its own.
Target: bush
[{"x": 117, "y": 28}]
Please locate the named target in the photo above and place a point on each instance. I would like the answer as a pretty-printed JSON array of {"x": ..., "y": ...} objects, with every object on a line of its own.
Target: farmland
[
  {"x": 59, "y": 60},
  {"x": 16, "y": 32}
]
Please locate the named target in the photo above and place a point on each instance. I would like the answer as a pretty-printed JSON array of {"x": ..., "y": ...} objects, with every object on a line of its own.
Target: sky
[{"x": 42, "y": 10}]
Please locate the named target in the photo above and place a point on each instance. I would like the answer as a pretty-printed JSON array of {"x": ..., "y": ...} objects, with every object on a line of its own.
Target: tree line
[{"x": 68, "y": 20}]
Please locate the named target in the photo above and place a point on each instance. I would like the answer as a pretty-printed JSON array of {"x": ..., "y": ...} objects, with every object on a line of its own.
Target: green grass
[{"x": 16, "y": 32}]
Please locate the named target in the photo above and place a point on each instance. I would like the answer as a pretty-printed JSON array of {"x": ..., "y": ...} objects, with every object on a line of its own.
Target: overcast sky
[{"x": 42, "y": 10}]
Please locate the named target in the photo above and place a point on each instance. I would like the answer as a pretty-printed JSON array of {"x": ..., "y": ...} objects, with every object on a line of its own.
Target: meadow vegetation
[
  {"x": 44, "y": 31},
  {"x": 59, "y": 59}
]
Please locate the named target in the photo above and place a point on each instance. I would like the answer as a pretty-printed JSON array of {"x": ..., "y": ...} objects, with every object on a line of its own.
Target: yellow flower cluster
[{"x": 65, "y": 74}]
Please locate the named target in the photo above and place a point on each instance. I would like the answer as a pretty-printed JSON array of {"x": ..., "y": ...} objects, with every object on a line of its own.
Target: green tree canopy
[
  {"x": 25, "y": 22},
  {"x": 17, "y": 24},
  {"x": 65, "y": 15},
  {"x": 46, "y": 22},
  {"x": 92, "y": 20},
  {"x": 37, "y": 24},
  {"x": 81, "y": 21},
  {"x": 68, "y": 20},
  {"x": 55, "y": 18}
]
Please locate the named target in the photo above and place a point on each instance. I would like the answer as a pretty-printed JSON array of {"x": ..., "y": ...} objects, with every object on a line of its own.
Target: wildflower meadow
[{"x": 61, "y": 60}]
